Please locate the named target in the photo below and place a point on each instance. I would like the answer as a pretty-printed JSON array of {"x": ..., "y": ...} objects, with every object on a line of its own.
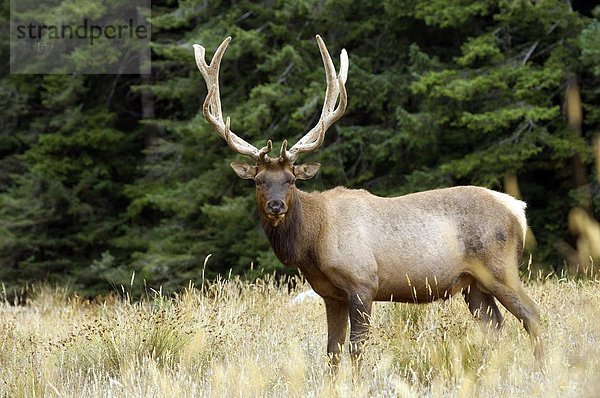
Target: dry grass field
[{"x": 236, "y": 339}]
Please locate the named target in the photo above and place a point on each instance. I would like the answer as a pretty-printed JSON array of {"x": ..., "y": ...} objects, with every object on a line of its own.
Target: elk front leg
[
  {"x": 360, "y": 319},
  {"x": 337, "y": 325}
]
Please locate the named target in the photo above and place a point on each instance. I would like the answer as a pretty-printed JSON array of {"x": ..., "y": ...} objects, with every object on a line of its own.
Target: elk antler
[
  {"x": 212, "y": 103},
  {"x": 329, "y": 114}
]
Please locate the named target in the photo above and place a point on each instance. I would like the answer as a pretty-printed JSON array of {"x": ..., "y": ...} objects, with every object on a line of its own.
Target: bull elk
[{"x": 355, "y": 248}]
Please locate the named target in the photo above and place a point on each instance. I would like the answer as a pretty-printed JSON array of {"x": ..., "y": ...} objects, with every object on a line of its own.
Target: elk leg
[
  {"x": 360, "y": 319},
  {"x": 337, "y": 325},
  {"x": 483, "y": 306},
  {"x": 511, "y": 295},
  {"x": 522, "y": 307}
]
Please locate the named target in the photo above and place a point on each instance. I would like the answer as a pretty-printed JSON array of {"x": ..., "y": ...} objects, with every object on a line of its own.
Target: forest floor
[{"x": 230, "y": 338}]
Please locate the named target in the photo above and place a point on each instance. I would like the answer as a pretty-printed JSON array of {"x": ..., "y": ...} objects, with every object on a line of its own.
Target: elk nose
[{"x": 275, "y": 206}]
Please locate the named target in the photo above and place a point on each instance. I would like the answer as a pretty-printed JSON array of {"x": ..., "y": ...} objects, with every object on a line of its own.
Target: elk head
[{"x": 275, "y": 177}]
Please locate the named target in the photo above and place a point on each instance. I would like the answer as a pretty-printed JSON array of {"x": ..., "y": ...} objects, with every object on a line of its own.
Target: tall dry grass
[{"x": 238, "y": 339}]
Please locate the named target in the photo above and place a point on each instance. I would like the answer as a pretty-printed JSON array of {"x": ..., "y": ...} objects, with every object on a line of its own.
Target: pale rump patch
[{"x": 515, "y": 206}]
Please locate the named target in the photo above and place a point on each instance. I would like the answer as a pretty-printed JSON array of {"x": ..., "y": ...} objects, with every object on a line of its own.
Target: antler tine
[
  {"x": 283, "y": 153},
  {"x": 262, "y": 154},
  {"x": 212, "y": 104},
  {"x": 329, "y": 114}
]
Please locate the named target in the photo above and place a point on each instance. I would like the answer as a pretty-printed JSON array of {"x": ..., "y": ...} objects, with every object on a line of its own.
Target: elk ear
[
  {"x": 244, "y": 170},
  {"x": 306, "y": 171}
]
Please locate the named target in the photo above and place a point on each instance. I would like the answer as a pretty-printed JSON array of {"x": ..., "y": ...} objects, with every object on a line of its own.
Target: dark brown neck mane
[{"x": 284, "y": 237}]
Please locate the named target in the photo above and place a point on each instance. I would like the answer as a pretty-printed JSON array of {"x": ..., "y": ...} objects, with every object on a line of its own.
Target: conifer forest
[{"x": 107, "y": 176}]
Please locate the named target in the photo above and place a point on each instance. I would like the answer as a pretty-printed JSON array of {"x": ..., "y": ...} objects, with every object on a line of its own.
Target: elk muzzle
[{"x": 276, "y": 210}]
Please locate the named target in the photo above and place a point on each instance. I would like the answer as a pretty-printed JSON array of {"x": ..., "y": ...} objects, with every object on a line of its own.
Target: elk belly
[{"x": 421, "y": 267}]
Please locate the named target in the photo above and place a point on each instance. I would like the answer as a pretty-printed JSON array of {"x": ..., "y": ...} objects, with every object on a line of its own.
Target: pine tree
[{"x": 103, "y": 176}]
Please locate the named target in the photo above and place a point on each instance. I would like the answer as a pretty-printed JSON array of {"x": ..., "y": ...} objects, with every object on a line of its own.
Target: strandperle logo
[
  {"x": 86, "y": 30},
  {"x": 79, "y": 36}
]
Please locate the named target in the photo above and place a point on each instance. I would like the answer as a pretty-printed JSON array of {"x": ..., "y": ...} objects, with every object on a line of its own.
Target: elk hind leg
[
  {"x": 483, "y": 306},
  {"x": 503, "y": 282}
]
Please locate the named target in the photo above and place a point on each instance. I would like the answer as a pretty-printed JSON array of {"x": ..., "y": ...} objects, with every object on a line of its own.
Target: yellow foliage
[{"x": 238, "y": 339}]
